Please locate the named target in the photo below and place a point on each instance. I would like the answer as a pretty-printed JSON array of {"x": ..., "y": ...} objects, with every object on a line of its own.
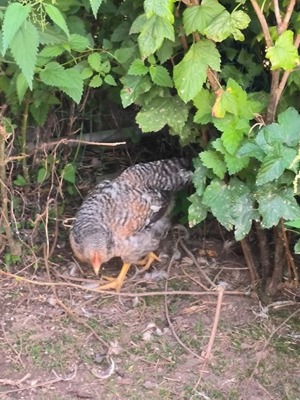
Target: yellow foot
[
  {"x": 116, "y": 283},
  {"x": 147, "y": 261}
]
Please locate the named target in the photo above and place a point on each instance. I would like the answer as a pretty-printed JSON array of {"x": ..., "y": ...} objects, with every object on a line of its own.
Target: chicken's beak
[{"x": 96, "y": 263}]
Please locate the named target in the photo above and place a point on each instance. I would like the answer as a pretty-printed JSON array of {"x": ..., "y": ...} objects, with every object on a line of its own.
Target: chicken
[{"x": 128, "y": 216}]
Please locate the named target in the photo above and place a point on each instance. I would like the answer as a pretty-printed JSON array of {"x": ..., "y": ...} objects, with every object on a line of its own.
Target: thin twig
[
  {"x": 122, "y": 294},
  {"x": 189, "y": 350},
  {"x": 263, "y": 23},
  {"x": 277, "y": 13},
  {"x": 191, "y": 255},
  {"x": 290, "y": 8}
]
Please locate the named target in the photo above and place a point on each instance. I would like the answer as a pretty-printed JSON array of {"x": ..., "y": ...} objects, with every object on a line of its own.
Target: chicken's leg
[
  {"x": 147, "y": 261},
  {"x": 117, "y": 283}
]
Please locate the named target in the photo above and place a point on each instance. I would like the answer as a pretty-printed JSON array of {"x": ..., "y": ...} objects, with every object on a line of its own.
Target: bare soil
[{"x": 76, "y": 343}]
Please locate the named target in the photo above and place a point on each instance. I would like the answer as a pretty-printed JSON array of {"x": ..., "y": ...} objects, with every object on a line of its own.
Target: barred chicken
[{"x": 128, "y": 216}]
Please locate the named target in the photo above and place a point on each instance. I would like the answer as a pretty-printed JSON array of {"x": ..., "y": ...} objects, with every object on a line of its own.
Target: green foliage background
[{"x": 231, "y": 68}]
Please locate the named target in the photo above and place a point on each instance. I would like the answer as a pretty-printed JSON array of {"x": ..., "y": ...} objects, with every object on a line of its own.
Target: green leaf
[
  {"x": 133, "y": 87},
  {"x": 69, "y": 80},
  {"x": 197, "y": 210},
  {"x": 96, "y": 81},
  {"x": 52, "y": 51},
  {"x": 275, "y": 204},
  {"x": 69, "y": 173},
  {"x": 274, "y": 164},
  {"x": 138, "y": 24},
  {"x": 95, "y": 4},
  {"x": 160, "y": 76},
  {"x": 232, "y": 138},
  {"x": 204, "y": 102},
  {"x": 226, "y": 24},
  {"x": 20, "y": 181},
  {"x": 14, "y": 18},
  {"x": 297, "y": 247},
  {"x": 110, "y": 80},
  {"x": 42, "y": 175},
  {"x": 197, "y": 18},
  {"x": 78, "y": 42},
  {"x": 165, "y": 51},
  {"x": 234, "y": 163},
  {"x": 124, "y": 54},
  {"x": 217, "y": 197},
  {"x": 161, "y": 111},
  {"x": 293, "y": 224},
  {"x": 225, "y": 102},
  {"x": 22, "y": 86},
  {"x": 284, "y": 54},
  {"x": 56, "y": 16},
  {"x": 24, "y": 47},
  {"x": 213, "y": 160},
  {"x": 190, "y": 73},
  {"x": 86, "y": 73},
  {"x": 163, "y": 8},
  {"x": 251, "y": 149},
  {"x": 153, "y": 33},
  {"x": 199, "y": 176},
  {"x": 94, "y": 60},
  {"x": 138, "y": 68}
]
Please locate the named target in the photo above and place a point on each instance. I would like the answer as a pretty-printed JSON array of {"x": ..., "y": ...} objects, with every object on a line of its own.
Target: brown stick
[
  {"x": 264, "y": 250},
  {"x": 249, "y": 261},
  {"x": 263, "y": 23}
]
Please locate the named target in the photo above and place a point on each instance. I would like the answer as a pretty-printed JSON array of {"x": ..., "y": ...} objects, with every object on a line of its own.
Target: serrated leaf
[
  {"x": 124, "y": 54},
  {"x": 251, "y": 149},
  {"x": 161, "y": 111},
  {"x": 94, "y": 60},
  {"x": 86, "y": 73},
  {"x": 226, "y": 24},
  {"x": 95, "y": 5},
  {"x": 197, "y": 210},
  {"x": 22, "y": 86},
  {"x": 232, "y": 138},
  {"x": 163, "y": 8},
  {"x": 275, "y": 204},
  {"x": 96, "y": 81},
  {"x": 105, "y": 67},
  {"x": 40, "y": 112},
  {"x": 165, "y": 51},
  {"x": 234, "y": 163},
  {"x": 199, "y": 177},
  {"x": 201, "y": 55},
  {"x": 274, "y": 164},
  {"x": 42, "y": 175},
  {"x": 138, "y": 24},
  {"x": 198, "y": 18},
  {"x": 153, "y": 33},
  {"x": 225, "y": 102},
  {"x": 284, "y": 54},
  {"x": 14, "y": 18},
  {"x": 78, "y": 42},
  {"x": 56, "y": 16},
  {"x": 51, "y": 36},
  {"x": 69, "y": 80},
  {"x": 24, "y": 47},
  {"x": 133, "y": 87},
  {"x": 204, "y": 102},
  {"x": 51, "y": 51},
  {"x": 217, "y": 197},
  {"x": 110, "y": 80},
  {"x": 138, "y": 68},
  {"x": 213, "y": 160},
  {"x": 160, "y": 76},
  {"x": 69, "y": 173}
]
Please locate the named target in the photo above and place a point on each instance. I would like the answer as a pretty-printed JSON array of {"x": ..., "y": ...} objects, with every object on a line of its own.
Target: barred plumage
[{"x": 127, "y": 217}]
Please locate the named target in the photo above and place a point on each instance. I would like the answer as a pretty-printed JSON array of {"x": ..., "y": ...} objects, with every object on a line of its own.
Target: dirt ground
[{"x": 65, "y": 342}]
